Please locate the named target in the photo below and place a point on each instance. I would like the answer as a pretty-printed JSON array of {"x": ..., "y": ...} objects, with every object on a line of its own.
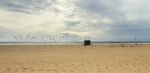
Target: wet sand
[{"x": 75, "y": 59}]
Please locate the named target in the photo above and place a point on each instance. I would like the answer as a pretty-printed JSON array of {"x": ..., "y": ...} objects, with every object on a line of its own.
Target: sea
[{"x": 75, "y": 43}]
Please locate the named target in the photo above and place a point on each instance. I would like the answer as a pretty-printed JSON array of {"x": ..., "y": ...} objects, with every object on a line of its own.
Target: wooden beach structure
[{"x": 87, "y": 42}]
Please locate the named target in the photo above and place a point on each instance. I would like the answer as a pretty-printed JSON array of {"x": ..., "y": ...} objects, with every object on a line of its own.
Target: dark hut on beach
[{"x": 87, "y": 42}]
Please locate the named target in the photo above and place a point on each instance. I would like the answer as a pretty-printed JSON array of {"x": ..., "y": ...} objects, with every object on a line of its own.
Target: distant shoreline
[{"x": 75, "y": 43}]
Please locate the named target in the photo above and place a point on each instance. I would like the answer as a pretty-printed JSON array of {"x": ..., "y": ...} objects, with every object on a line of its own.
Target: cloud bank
[{"x": 101, "y": 20}]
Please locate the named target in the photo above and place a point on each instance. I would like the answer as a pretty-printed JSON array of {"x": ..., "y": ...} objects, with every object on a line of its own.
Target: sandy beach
[{"x": 75, "y": 59}]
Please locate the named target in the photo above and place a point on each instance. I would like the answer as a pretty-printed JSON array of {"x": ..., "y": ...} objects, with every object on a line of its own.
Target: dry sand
[{"x": 75, "y": 59}]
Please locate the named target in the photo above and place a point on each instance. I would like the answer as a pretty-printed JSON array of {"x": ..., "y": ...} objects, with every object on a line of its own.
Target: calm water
[{"x": 67, "y": 43}]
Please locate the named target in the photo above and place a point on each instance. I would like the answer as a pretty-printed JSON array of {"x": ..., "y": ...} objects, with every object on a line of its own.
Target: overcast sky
[{"x": 94, "y": 19}]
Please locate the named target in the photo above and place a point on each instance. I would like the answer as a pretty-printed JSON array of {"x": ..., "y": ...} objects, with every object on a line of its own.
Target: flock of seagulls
[{"x": 64, "y": 37}]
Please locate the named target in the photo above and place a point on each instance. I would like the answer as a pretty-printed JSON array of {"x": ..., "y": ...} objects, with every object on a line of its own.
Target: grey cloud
[
  {"x": 122, "y": 27},
  {"x": 4, "y": 32},
  {"x": 129, "y": 31},
  {"x": 25, "y": 6},
  {"x": 105, "y": 8},
  {"x": 72, "y": 23}
]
